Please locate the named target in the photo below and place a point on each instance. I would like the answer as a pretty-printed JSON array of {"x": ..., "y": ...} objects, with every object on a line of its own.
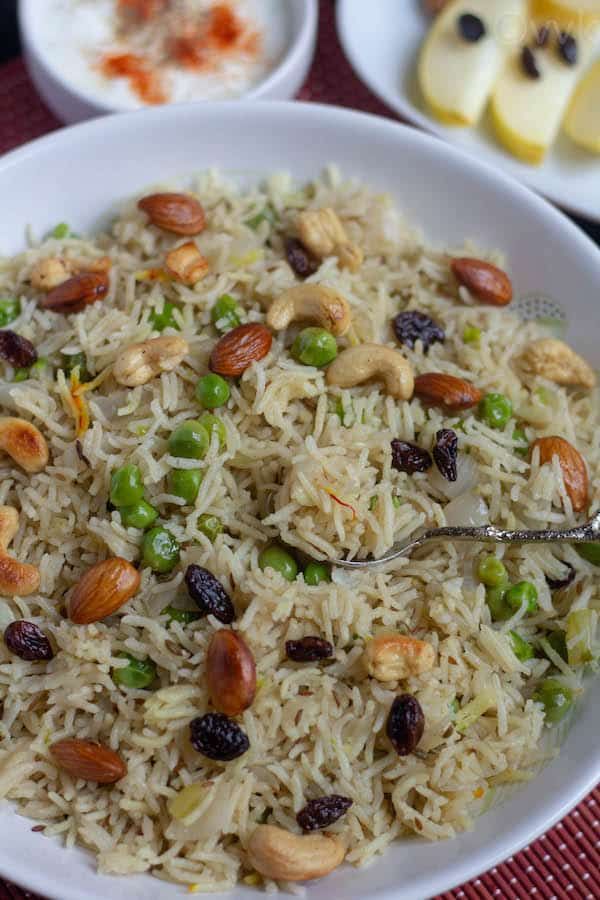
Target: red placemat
[{"x": 565, "y": 862}]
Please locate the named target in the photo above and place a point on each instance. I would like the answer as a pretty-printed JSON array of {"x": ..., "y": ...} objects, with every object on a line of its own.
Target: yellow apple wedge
[
  {"x": 582, "y": 123},
  {"x": 456, "y": 76},
  {"x": 570, "y": 14},
  {"x": 528, "y": 112}
]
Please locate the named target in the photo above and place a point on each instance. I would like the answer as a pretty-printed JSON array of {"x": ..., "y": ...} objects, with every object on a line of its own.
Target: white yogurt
[{"x": 73, "y": 36}]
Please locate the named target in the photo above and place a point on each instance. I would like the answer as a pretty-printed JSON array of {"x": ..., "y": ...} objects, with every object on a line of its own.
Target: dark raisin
[
  {"x": 412, "y": 326},
  {"x": 407, "y": 457},
  {"x": 218, "y": 737},
  {"x": 559, "y": 584},
  {"x": 529, "y": 62},
  {"x": 308, "y": 649},
  {"x": 300, "y": 259},
  {"x": 17, "y": 350},
  {"x": 405, "y": 724},
  {"x": 567, "y": 47},
  {"x": 542, "y": 35},
  {"x": 471, "y": 28},
  {"x": 445, "y": 453},
  {"x": 323, "y": 812},
  {"x": 209, "y": 594},
  {"x": 26, "y": 640}
]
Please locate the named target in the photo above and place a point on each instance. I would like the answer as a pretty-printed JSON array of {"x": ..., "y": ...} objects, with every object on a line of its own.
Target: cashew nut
[
  {"x": 17, "y": 579},
  {"x": 24, "y": 442},
  {"x": 358, "y": 364},
  {"x": 391, "y": 657},
  {"x": 186, "y": 264},
  {"x": 312, "y": 302},
  {"x": 557, "y": 362},
  {"x": 323, "y": 234},
  {"x": 140, "y": 363},
  {"x": 48, "y": 273},
  {"x": 285, "y": 856}
]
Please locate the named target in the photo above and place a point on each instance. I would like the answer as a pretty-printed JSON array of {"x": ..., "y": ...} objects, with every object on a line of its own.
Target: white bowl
[
  {"x": 80, "y": 175},
  {"x": 71, "y": 102}
]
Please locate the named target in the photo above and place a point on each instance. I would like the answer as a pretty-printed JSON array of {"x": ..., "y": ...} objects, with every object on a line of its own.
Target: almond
[
  {"x": 572, "y": 463},
  {"x": 486, "y": 282},
  {"x": 88, "y": 760},
  {"x": 453, "y": 393},
  {"x": 103, "y": 590},
  {"x": 76, "y": 293},
  {"x": 230, "y": 673},
  {"x": 178, "y": 213},
  {"x": 238, "y": 349}
]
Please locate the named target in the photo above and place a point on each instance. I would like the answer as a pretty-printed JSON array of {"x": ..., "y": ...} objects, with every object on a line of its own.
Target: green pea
[
  {"x": 520, "y": 439},
  {"x": 214, "y": 425},
  {"x": 190, "y": 440},
  {"x": 61, "y": 231},
  {"x": 210, "y": 526},
  {"x": 558, "y": 642},
  {"x": 589, "y": 552},
  {"x": 314, "y": 347},
  {"x": 523, "y": 593},
  {"x": 72, "y": 361},
  {"x": 492, "y": 572},
  {"x": 471, "y": 334},
  {"x": 164, "y": 318},
  {"x": 160, "y": 550},
  {"x": 10, "y": 309},
  {"x": 139, "y": 515},
  {"x": 226, "y": 314},
  {"x": 521, "y": 648},
  {"x": 212, "y": 391},
  {"x": 185, "y": 483},
  {"x": 183, "y": 616},
  {"x": 126, "y": 486},
  {"x": 495, "y": 410},
  {"x": 496, "y": 600},
  {"x": 315, "y": 573},
  {"x": 278, "y": 559},
  {"x": 555, "y": 697},
  {"x": 138, "y": 673}
]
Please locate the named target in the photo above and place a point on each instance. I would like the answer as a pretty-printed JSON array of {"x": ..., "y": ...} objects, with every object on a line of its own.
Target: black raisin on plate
[
  {"x": 412, "y": 326},
  {"x": 27, "y": 641},
  {"x": 209, "y": 594},
  {"x": 405, "y": 724},
  {"x": 559, "y": 584},
  {"x": 308, "y": 649},
  {"x": 299, "y": 258},
  {"x": 217, "y": 736},
  {"x": 568, "y": 48},
  {"x": 407, "y": 457},
  {"x": 471, "y": 28},
  {"x": 323, "y": 812},
  {"x": 17, "y": 350},
  {"x": 445, "y": 453}
]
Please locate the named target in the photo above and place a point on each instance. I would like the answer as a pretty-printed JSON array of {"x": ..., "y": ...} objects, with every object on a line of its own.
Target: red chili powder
[{"x": 144, "y": 82}]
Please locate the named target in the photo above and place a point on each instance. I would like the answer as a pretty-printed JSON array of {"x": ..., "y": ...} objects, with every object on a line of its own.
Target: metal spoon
[{"x": 488, "y": 533}]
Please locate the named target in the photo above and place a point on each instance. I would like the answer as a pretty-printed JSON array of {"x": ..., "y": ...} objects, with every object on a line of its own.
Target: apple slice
[
  {"x": 569, "y": 14},
  {"x": 527, "y": 112},
  {"x": 582, "y": 123},
  {"x": 457, "y": 75}
]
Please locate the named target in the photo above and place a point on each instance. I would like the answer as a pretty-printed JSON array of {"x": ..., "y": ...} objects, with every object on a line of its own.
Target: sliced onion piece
[{"x": 469, "y": 509}]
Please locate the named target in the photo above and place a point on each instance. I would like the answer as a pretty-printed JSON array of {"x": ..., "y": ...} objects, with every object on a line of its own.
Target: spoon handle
[{"x": 490, "y": 533}]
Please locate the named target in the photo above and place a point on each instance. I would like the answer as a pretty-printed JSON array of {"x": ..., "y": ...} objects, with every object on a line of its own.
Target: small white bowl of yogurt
[{"x": 91, "y": 57}]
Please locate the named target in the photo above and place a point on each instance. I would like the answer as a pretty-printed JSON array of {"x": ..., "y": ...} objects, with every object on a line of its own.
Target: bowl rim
[
  {"x": 300, "y": 47},
  {"x": 549, "y": 811}
]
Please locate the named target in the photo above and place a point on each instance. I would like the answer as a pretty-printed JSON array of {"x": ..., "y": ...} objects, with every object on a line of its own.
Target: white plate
[
  {"x": 81, "y": 174},
  {"x": 382, "y": 42}
]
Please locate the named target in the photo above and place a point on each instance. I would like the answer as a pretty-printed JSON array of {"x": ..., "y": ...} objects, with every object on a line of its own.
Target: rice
[{"x": 295, "y": 449}]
